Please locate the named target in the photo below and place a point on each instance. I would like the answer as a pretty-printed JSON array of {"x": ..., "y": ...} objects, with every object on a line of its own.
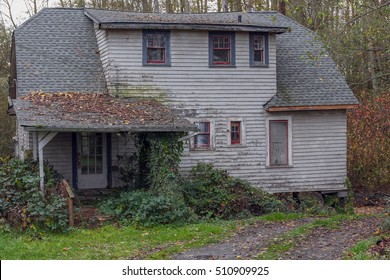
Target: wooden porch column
[
  {"x": 35, "y": 145},
  {"x": 43, "y": 139}
]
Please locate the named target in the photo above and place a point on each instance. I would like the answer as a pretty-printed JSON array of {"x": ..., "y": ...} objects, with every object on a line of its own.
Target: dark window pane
[
  {"x": 221, "y": 56},
  {"x": 202, "y": 140},
  {"x": 99, "y": 169},
  {"x": 204, "y": 126},
  {"x": 84, "y": 169},
  {"x": 235, "y": 132},
  {"x": 278, "y": 143},
  {"x": 258, "y": 56}
]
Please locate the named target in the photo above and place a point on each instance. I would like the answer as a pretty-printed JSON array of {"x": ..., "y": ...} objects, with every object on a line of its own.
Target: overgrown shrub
[
  {"x": 369, "y": 142},
  {"x": 23, "y": 204},
  {"x": 146, "y": 209},
  {"x": 213, "y": 193}
]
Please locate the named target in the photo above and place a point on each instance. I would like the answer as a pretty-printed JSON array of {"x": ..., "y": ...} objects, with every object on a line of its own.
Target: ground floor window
[
  {"x": 203, "y": 139},
  {"x": 279, "y": 142}
]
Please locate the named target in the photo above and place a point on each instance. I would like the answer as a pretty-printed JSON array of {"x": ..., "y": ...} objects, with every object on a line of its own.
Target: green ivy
[
  {"x": 23, "y": 204},
  {"x": 159, "y": 155}
]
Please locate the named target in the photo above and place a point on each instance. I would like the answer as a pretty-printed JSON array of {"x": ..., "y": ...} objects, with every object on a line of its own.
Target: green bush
[
  {"x": 23, "y": 204},
  {"x": 213, "y": 193},
  {"x": 146, "y": 209}
]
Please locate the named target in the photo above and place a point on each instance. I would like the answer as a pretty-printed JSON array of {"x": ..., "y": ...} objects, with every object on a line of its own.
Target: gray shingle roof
[
  {"x": 71, "y": 111},
  {"x": 237, "y": 21},
  {"x": 302, "y": 81},
  {"x": 56, "y": 50}
]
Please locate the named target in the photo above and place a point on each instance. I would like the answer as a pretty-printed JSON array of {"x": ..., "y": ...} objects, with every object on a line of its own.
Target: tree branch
[
  {"x": 360, "y": 16},
  {"x": 7, "y": 4},
  {"x": 376, "y": 77}
]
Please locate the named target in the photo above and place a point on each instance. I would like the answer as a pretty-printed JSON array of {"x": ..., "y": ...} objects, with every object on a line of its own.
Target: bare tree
[{"x": 8, "y": 4}]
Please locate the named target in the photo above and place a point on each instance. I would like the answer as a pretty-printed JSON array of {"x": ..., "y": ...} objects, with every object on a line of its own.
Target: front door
[{"x": 92, "y": 163}]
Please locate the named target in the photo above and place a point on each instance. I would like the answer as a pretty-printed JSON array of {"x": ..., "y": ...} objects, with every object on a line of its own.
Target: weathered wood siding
[
  {"x": 319, "y": 154},
  {"x": 58, "y": 152},
  {"x": 218, "y": 94}
]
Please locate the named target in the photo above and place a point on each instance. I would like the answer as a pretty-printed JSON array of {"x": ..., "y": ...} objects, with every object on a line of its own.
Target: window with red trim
[
  {"x": 221, "y": 49},
  {"x": 202, "y": 139},
  {"x": 155, "y": 48},
  {"x": 278, "y": 142},
  {"x": 235, "y": 133}
]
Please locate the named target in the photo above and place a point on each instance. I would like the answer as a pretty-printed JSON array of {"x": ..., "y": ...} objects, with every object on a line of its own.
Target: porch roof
[{"x": 75, "y": 111}]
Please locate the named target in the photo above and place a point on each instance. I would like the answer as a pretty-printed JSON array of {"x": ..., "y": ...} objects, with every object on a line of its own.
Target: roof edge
[{"x": 311, "y": 108}]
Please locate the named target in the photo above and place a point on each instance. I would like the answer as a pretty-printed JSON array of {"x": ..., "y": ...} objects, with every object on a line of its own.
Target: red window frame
[
  {"x": 220, "y": 39},
  {"x": 157, "y": 47},
  {"x": 235, "y": 128},
  {"x": 270, "y": 142},
  {"x": 196, "y": 144}
]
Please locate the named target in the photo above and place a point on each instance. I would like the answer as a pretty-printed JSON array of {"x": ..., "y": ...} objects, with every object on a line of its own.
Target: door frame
[{"x": 108, "y": 158}]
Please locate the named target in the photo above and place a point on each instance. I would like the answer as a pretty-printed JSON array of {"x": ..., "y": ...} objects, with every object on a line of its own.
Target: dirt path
[
  {"x": 320, "y": 244},
  {"x": 331, "y": 244},
  {"x": 245, "y": 244}
]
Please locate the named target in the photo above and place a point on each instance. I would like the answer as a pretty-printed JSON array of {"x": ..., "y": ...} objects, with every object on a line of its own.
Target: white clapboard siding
[
  {"x": 58, "y": 152},
  {"x": 217, "y": 94}
]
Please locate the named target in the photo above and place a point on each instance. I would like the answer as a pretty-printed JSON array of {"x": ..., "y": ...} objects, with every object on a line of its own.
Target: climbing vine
[{"x": 159, "y": 156}]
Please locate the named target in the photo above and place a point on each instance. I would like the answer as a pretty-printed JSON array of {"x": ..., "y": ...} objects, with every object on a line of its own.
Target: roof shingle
[{"x": 95, "y": 112}]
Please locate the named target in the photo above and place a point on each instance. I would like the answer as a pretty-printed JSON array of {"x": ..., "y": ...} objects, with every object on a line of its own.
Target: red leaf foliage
[{"x": 369, "y": 142}]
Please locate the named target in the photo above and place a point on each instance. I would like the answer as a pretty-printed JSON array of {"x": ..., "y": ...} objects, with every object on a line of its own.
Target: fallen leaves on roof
[{"x": 99, "y": 108}]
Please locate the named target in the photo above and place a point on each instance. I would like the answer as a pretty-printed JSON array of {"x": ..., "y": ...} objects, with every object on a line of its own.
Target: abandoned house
[{"x": 255, "y": 92}]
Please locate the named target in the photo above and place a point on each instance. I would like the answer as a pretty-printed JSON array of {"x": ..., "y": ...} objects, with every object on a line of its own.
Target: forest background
[{"x": 356, "y": 34}]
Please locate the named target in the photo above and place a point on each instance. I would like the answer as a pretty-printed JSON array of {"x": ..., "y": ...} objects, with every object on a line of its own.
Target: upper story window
[
  {"x": 156, "y": 47},
  {"x": 221, "y": 49},
  {"x": 258, "y": 49}
]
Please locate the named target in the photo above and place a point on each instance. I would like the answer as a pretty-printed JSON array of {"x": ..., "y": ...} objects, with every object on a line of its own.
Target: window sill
[
  {"x": 260, "y": 66},
  {"x": 222, "y": 66},
  {"x": 279, "y": 166},
  {"x": 156, "y": 64},
  {"x": 202, "y": 149},
  {"x": 237, "y": 146}
]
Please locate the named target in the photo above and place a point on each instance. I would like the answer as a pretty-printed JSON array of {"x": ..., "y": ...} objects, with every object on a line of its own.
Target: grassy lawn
[
  {"x": 115, "y": 243},
  {"x": 109, "y": 242}
]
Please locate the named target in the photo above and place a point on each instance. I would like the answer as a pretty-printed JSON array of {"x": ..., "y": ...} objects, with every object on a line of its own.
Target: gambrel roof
[
  {"x": 302, "y": 80},
  {"x": 56, "y": 51}
]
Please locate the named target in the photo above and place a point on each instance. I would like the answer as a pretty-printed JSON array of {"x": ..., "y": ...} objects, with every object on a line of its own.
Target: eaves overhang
[{"x": 192, "y": 26}]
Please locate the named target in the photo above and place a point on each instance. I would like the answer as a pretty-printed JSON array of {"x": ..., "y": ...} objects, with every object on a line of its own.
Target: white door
[{"x": 92, "y": 163}]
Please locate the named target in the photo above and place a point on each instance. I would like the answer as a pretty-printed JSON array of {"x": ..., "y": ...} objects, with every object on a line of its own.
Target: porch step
[{"x": 93, "y": 196}]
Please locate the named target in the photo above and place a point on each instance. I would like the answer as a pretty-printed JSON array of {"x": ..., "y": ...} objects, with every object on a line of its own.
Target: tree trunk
[
  {"x": 156, "y": 6},
  {"x": 225, "y": 8}
]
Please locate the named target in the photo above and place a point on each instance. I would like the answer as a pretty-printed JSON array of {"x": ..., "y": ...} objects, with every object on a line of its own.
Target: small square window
[
  {"x": 202, "y": 139},
  {"x": 156, "y": 47},
  {"x": 258, "y": 49},
  {"x": 235, "y": 133},
  {"x": 222, "y": 49}
]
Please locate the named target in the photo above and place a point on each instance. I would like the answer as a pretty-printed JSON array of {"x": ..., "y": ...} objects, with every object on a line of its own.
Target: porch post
[
  {"x": 35, "y": 145},
  {"x": 43, "y": 139}
]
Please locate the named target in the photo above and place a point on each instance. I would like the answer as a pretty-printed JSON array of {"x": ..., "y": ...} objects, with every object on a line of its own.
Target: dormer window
[
  {"x": 221, "y": 49},
  {"x": 258, "y": 49},
  {"x": 156, "y": 47}
]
